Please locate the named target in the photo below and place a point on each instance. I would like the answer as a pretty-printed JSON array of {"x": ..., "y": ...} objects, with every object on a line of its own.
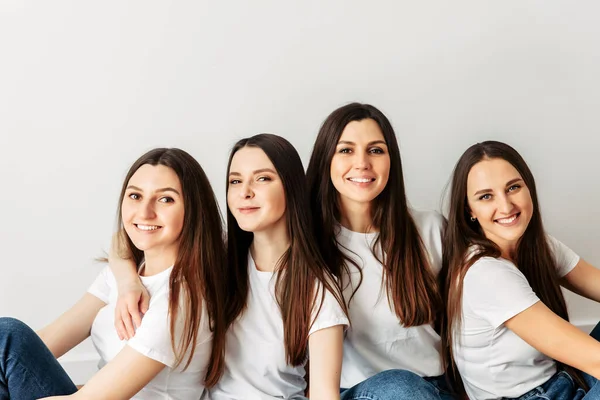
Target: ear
[{"x": 470, "y": 213}]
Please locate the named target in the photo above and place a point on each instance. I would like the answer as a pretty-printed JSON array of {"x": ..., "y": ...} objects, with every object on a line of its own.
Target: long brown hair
[
  {"x": 198, "y": 275},
  {"x": 533, "y": 254},
  {"x": 300, "y": 268},
  {"x": 411, "y": 286}
]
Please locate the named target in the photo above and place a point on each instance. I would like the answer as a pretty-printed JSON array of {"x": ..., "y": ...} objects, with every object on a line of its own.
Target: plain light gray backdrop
[{"x": 86, "y": 88}]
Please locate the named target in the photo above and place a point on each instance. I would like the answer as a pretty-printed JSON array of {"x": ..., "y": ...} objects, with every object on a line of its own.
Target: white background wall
[{"x": 87, "y": 87}]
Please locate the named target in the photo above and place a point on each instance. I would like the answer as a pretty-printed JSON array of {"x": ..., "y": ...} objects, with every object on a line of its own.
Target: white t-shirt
[
  {"x": 152, "y": 339},
  {"x": 377, "y": 340},
  {"x": 493, "y": 361},
  {"x": 255, "y": 363}
]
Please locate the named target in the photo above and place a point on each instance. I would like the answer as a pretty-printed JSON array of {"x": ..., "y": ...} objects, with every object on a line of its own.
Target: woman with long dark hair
[
  {"x": 170, "y": 226},
  {"x": 506, "y": 328},
  {"x": 386, "y": 255},
  {"x": 284, "y": 304}
]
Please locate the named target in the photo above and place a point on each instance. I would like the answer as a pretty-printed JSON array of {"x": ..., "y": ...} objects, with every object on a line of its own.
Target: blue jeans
[
  {"x": 562, "y": 387},
  {"x": 398, "y": 384},
  {"x": 28, "y": 370}
]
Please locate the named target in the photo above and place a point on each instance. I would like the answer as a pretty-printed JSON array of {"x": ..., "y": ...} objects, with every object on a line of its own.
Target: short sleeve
[
  {"x": 430, "y": 225},
  {"x": 495, "y": 290},
  {"x": 330, "y": 313},
  {"x": 565, "y": 258},
  {"x": 100, "y": 288},
  {"x": 153, "y": 337}
]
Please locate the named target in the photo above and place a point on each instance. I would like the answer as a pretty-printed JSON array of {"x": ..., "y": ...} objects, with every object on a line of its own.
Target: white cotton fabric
[
  {"x": 255, "y": 364},
  {"x": 493, "y": 361},
  {"x": 377, "y": 340},
  {"x": 152, "y": 339}
]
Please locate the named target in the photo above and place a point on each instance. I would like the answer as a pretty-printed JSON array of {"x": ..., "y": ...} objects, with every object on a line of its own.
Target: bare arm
[
  {"x": 116, "y": 380},
  {"x": 133, "y": 298},
  {"x": 584, "y": 280},
  {"x": 556, "y": 338},
  {"x": 71, "y": 328},
  {"x": 325, "y": 353}
]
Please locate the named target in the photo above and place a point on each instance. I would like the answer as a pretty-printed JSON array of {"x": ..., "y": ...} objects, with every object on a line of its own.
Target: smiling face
[
  {"x": 500, "y": 201},
  {"x": 360, "y": 166},
  {"x": 152, "y": 210},
  {"x": 255, "y": 193}
]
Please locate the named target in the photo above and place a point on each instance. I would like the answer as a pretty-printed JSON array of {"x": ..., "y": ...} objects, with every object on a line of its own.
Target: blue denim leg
[
  {"x": 593, "y": 383},
  {"x": 28, "y": 370},
  {"x": 442, "y": 386},
  {"x": 559, "y": 387},
  {"x": 393, "y": 384}
]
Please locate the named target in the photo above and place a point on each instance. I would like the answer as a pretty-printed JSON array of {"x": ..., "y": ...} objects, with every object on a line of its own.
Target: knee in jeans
[
  {"x": 12, "y": 327},
  {"x": 395, "y": 377}
]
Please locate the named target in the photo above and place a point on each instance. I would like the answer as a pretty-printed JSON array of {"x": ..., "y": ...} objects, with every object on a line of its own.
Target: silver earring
[{"x": 473, "y": 219}]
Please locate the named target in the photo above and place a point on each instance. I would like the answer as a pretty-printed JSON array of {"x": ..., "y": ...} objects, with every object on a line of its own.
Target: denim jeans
[
  {"x": 562, "y": 387},
  {"x": 398, "y": 384},
  {"x": 28, "y": 370}
]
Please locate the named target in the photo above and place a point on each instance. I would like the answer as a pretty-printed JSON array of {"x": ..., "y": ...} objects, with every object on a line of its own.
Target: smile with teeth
[
  {"x": 509, "y": 220},
  {"x": 361, "y": 180},
  {"x": 147, "y": 227}
]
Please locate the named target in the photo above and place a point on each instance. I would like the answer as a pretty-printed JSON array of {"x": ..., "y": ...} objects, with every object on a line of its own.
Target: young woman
[
  {"x": 286, "y": 305},
  {"x": 172, "y": 229},
  {"x": 283, "y": 304},
  {"x": 507, "y": 328},
  {"x": 386, "y": 255}
]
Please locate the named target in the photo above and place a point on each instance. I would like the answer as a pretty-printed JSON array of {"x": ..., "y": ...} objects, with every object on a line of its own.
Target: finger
[
  {"x": 119, "y": 326},
  {"x": 126, "y": 318},
  {"x": 134, "y": 312},
  {"x": 122, "y": 319}
]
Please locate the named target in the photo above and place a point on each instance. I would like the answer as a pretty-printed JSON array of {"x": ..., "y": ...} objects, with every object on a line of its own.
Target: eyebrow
[
  {"x": 368, "y": 144},
  {"x": 482, "y": 191},
  {"x": 258, "y": 171},
  {"x": 161, "y": 190}
]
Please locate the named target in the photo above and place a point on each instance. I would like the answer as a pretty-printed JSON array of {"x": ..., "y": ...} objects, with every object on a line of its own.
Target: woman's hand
[
  {"x": 134, "y": 299},
  {"x": 132, "y": 304}
]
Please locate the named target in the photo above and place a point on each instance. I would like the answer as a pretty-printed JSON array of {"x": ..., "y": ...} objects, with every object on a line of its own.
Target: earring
[{"x": 473, "y": 219}]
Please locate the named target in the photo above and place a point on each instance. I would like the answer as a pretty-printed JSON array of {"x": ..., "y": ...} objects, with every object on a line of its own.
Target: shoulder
[
  {"x": 430, "y": 226},
  {"x": 493, "y": 270},
  {"x": 104, "y": 285},
  {"x": 106, "y": 274},
  {"x": 496, "y": 290},
  {"x": 428, "y": 221},
  {"x": 490, "y": 264},
  {"x": 327, "y": 311},
  {"x": 565, "y": 258}
]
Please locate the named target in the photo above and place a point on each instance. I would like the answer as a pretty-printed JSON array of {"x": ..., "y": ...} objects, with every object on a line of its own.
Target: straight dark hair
[
  {"x": 412, "y": 289},
  {"x": 534, "y": 256},
  {"x": 198, "y": 275},
  {"x": 301, "y": 272}
]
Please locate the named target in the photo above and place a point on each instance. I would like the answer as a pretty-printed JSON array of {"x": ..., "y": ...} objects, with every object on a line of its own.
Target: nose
[
  {"x": 505, "y": 204},
  {"x": 361, "y": 161},
  {"x": 147, "y": 211},
  {"x": 246, "y": 191}
]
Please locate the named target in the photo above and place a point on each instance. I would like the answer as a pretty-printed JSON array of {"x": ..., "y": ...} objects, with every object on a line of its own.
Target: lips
[
  {"x": 361, "y": 179},
  {"x": 508, "y": 221},
  {"x": 248, "y": 210},
  {"x": 147, "y": 228}
]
